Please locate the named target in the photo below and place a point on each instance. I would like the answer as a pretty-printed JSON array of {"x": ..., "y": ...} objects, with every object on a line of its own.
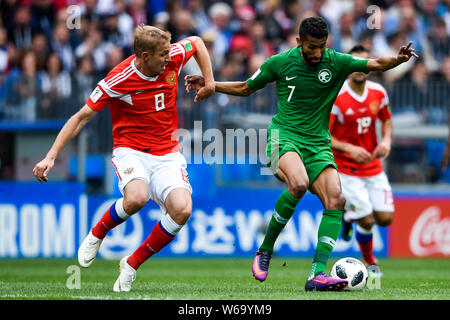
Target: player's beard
[{"x": 310, "y": 62}]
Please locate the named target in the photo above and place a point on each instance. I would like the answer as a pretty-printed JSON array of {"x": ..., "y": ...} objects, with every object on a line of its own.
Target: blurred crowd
[{"x": 52, "y": 53}]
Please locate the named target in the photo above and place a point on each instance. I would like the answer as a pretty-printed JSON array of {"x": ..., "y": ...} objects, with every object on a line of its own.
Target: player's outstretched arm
[
  {"x": 386, "y": 63},
  {"x": 72, "y": 127},
  {"x": 235, "y": 88},
  {"x": 204, "y": 62}
]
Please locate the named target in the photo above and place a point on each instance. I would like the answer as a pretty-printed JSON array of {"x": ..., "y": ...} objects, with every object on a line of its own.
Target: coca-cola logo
[{"x": 430, "y": 235}]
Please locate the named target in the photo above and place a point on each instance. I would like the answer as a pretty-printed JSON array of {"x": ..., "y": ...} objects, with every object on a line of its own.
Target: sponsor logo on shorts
[{"x": 128, "y": 170}]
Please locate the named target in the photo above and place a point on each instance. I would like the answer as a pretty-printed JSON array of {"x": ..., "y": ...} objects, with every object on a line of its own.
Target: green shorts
[{"x": 315, "y": 157}]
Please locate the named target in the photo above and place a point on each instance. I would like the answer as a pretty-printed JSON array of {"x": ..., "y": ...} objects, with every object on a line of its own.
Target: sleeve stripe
[
  {"x": 120, "y": 77},
  {"x": 109, "y": 92},
  {"x": 175, "y": 52},
  {"x": 181, "y": 48}
]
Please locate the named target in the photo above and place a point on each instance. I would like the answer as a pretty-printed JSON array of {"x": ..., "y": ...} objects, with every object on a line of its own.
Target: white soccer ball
[{"x": 352, "y": 270}]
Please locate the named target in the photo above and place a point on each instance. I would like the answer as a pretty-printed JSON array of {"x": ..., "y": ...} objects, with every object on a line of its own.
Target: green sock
[
  {"x": 284, "y": 208},
  {"x": 329, "y": 229}
]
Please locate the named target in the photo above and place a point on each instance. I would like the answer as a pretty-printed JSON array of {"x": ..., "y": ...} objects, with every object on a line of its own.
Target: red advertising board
[{"x": 421, "y": 228}]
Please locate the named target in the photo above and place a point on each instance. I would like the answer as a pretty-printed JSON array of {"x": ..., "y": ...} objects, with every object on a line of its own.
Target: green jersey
[{"x": 306, "y": 93}]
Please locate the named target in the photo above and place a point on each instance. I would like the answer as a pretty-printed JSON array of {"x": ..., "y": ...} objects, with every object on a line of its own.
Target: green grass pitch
[{"x": 215, "y": 279}]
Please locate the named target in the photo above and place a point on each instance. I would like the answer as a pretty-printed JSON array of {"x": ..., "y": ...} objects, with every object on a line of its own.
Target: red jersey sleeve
[
  {"x": 98, "y": 99},
  {"x": 182, "y": 51}
]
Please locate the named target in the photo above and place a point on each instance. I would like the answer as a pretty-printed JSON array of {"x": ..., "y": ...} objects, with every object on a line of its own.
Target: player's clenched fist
[{"x": 42, "y": 169}]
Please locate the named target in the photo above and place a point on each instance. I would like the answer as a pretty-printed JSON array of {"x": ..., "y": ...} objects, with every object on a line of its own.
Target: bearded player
[
  {"x": 141, "y": 94},
  {"x": 309, "y": 78},
  {"x": 358, "y": 155}
]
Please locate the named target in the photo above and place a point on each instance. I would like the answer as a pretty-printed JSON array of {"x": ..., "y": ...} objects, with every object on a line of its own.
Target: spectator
[
  {"x": 20, "y": 32},
  {"x": 126, "y": 23},
  {"x": 161, "y": 20},
  {"x": 39, "y": 45},
  {"x": 84, "y": 78},
  {"x": 112, "y": 32},
  {"x": 56, "y": 89},
  {"x": 439, "y": 41},
  {"x": 220, "y": 14},
  {"x": 408, "y": 25},
  {"x": 242, "y": 39},
  {"x": 60, "y": 43},
  {"x": 208, "y": 37},
  {"x": 183, "y": 25},
  {"x": 197, "y": 10},
  {"x": 278, "y": 25},
  {"x": 138, "y": 12},
  {"x": 7, "y": 12},
  {"x": 360, "y": 17},
  {"x": 95, "y": 46},
  {"x": 395, "y": 41},
  {"x": 43, "y": 14},
  {"x": 345, "y": 40},
  {"x": 445, "y": 71},
  {"x": 261, "y": 46},
  {"x": 114, "y": 57},
  {"x": 89, "y": 11},
  {"x": 3, "y": 51},
  {"x": 411, "y": 93},
  {"x": 428, "y": 15},
  {"x": 23, "y": 89}
]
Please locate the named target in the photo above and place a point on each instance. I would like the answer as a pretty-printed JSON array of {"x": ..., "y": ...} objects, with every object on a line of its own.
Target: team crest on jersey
[
  {"x": 171, "y": 78},
  {"x": 128, "y": 170},
  {"x": 324, "y": 75},
  {"x": 374, "y": 107}
]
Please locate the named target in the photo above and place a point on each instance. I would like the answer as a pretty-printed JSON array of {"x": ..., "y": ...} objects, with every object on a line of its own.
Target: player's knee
[
  {"x": 181, "y": 212},
  {"x": 336, "y": 202},
  {"x": 385, "y": 220},
  {"x": 298, "y": 188},
  {"x": 367, "y": 222},
  {"x": 134, "y": 202}
]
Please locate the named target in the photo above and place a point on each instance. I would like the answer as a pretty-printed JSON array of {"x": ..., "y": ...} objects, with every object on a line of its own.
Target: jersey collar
[
  {"x": 140, "y": 74},
  {"x": 354, "y": 95}
]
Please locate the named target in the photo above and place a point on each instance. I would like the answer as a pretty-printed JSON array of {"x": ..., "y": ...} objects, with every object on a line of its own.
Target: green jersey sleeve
[
  {"x": 263, "y": 75},
  {"x": 348, "y": 63}
]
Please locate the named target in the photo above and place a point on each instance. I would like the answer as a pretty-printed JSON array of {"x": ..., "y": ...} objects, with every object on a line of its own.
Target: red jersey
[
  {"x": 143, "y": 109},
  {"x": 353, "y": 120}
]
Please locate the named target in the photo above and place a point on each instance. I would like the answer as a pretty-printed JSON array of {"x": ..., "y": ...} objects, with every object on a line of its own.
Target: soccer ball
[{"x": 352, "y": 270}]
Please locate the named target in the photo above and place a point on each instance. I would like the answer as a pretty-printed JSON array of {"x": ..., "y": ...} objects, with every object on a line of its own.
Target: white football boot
[
  {"x": 88, "y": 250},
  {"x": 126, "y": 277}
]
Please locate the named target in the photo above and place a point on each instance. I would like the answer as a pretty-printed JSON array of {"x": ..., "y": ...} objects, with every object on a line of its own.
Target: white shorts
[
  {"x": 366, "y": 195},
  {"x": 162, "y": 173}
]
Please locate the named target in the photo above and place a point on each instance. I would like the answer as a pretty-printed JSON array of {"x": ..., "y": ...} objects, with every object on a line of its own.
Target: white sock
[
  {"x": 169, "y": 225},
  {"x": 120, "y": 211}
]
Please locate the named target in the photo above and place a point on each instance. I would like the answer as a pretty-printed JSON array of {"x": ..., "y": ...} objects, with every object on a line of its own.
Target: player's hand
[
  {"x": 197, "y": 83},
  {"x": 445, "y": 157},
  {"x": 193, "y": 82},
  {"x": 406, "y": 52},
  {"x": 382, "y": 150},
  {"x": 42, "y": 169},
  {"x": 360, "y": 155},
  {"x": 205, "y": 92}
]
